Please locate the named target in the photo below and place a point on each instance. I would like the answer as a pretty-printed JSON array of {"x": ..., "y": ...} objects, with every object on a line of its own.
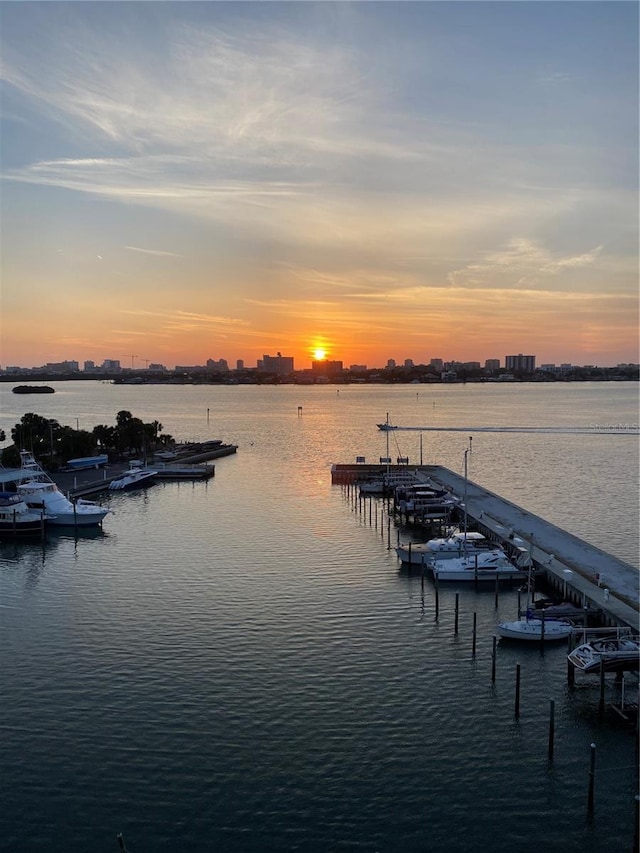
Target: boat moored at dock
[
  {"x": 444, "y": 548},
  {"x": 615, "y": 654},
  {"x": 485, "y": 566},
  {"x": 538, "y": 630},
  {"x": 17, "y": 519},
  {"x": 40, "y": 491},
  {"x": 135, "y": 478}
]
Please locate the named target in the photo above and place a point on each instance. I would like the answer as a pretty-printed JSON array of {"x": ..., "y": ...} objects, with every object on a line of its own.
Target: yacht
[
  {"x": 40, "y": 492},
  {"x": 444, "y": 548},
  {"x": 16, "y": 519}
]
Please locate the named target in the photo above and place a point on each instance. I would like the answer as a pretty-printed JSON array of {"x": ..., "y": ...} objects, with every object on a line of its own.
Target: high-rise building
[
  {"x": 492, "y": 364},
  {"x": 220, "y": 365},
  {"x": 520, "y": 363},
  {"x": 326, "y": 368},
  {"x": 279, "y": 364}
]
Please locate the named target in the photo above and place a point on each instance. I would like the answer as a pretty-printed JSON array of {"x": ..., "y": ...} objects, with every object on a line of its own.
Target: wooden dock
[
  {"x": 81, "y": 484},
  {"x": 583, "y": 573}
]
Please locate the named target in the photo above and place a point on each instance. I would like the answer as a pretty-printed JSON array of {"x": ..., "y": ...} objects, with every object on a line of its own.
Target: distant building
[
  {"x": 157, "y": 368},
  {"x": 408, "y": 362},
  {"x": 110, "y": 365},
  {"x": 239, "y": 364},
  {"x": 492, "y": 364},
  {"x": 391, "y": 363},
  {"x": 326, "y": 368},
  {"x": 437, "y": 363},
  {"x": 281, "y": 365},
  {"x": 520, "y": 363},
  {"x": 358, "y": 368},
  {"x": 62, "y": 367},
  {"x": 220, "y": 365}
]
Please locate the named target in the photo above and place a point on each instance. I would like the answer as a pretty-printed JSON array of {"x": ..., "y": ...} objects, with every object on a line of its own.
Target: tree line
[{"x": 55, "y": 444}]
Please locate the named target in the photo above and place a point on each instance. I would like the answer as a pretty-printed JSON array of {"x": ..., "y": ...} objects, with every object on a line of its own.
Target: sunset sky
[{"x": 184, "y": 181}]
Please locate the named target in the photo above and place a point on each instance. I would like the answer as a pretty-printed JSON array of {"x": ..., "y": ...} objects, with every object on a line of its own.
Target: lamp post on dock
[{"x": 51, "y": 438}]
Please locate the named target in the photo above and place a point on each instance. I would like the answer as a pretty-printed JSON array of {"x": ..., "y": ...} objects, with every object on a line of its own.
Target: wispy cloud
[
  {"x": 521, "y": 265},
  {"x": 159, "y": 252}
]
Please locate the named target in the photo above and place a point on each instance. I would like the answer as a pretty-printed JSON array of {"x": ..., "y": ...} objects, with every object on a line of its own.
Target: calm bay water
[{"x": 240, "y": 665}]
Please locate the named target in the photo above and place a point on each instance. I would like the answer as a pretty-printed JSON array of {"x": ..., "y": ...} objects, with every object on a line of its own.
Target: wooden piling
[
  {"x": 592, "y": 779},
  {"x": 475, "y": 624},
  {"x": 552, "y": 726},
  {"x": 496, "y": 593},
  {"x": 517, "y": 708},
  {"x": 601, "y": 704},
  {"x": 457, "y": 613},
  {"x": 571, "y": 670},
  {"x": 437, "y": 591},
  {"x": 493, "y": 659}
]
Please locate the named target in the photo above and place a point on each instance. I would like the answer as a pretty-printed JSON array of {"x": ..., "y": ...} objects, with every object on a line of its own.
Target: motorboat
[
  {"x": 17, "y": 519},
  {"x": 444, "y": 548},
  {"x": 421, "y": 500},
  {"x": 386, "y": 427},
  {"x": 40, "y": 491},
  {"x": 482, "y": 566},
  {"x": 134, "y": 478},
  {"x": 535, "y": 629},
  {"x": 615, "y": 653},
  {"x": 67, "y": 513},
  {"x": 387, "y": 483}
]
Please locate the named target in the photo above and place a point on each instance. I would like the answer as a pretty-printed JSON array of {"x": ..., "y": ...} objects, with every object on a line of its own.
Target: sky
[{"x": 186, "y": 181}]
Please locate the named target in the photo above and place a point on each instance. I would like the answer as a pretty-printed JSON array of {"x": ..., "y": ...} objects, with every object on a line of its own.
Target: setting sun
[{"x": 319, "y": 354}]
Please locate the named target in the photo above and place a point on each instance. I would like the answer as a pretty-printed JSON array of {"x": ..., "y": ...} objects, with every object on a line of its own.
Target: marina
[
  {"x": 590, "y": 575},
  {"x": 244, "y": 662}
]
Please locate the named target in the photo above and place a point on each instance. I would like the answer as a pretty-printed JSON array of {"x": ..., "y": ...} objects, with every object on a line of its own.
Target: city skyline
[
  {"x": 194, "y": 180},
  {"x": 520, "y": 362}
]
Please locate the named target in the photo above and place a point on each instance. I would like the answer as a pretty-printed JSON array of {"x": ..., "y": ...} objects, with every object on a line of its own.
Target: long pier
[{"x": 589, "y": 575}]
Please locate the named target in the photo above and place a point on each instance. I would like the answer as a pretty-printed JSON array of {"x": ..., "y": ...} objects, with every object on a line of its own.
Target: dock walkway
[{"x": 598, "y": 578}]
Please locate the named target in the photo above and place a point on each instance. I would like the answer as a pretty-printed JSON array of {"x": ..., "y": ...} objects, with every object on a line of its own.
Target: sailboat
[{"x": 540, "y": 629}]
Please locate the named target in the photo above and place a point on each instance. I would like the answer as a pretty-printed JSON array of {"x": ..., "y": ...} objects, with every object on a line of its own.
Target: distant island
[{"x": 33, "y": 389}]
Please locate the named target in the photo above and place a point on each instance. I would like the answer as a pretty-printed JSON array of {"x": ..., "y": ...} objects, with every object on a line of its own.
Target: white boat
[
  {"x": 482, "y": 566},
  {"x": 387, "y": 483},
  {"x": 17, "y": 519},
  {"x": 535, "y": 629},
  {"x": 616, "y": 653},
  {"x": 135, "y": 478},
  {"x": 444, "y": 548},
  {"x": 40, "y": 491}
]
